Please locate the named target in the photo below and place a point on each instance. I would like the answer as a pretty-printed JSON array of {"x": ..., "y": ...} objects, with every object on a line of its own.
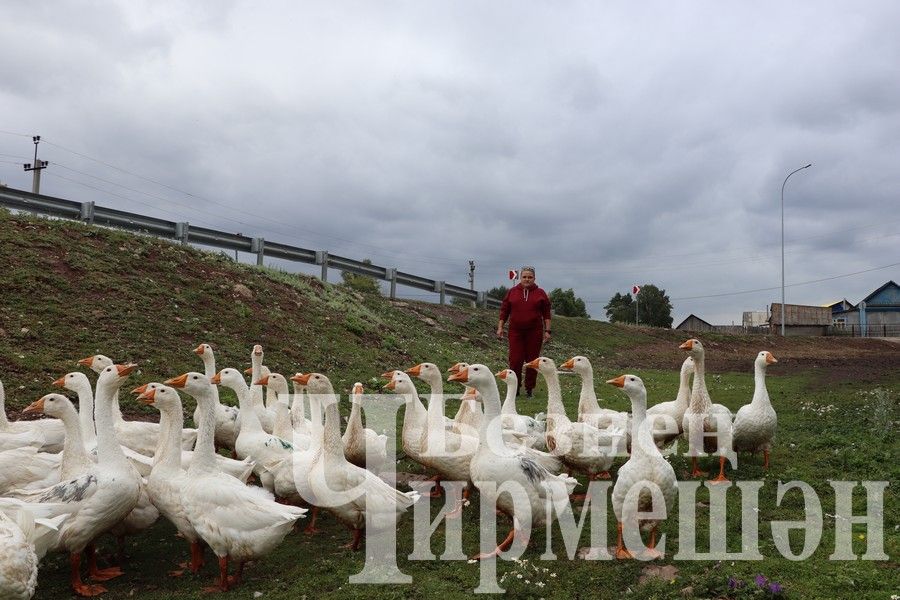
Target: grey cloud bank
[{"x": 606, "y": 144}]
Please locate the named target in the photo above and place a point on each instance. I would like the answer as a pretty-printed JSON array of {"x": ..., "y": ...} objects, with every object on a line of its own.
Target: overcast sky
[{"x": 605, "y": 143}]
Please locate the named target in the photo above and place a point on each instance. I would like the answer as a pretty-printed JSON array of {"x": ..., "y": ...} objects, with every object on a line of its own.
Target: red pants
[{"x": 525, "y": 346}]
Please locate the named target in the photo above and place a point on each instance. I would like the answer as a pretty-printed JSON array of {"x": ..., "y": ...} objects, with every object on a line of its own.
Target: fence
[
  {"x": 186, "y": 233},
  {"x": 872, "y": 330}
]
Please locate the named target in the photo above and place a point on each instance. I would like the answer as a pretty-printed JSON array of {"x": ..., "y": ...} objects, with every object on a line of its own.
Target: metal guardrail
[{"x": 186, "y": 233}]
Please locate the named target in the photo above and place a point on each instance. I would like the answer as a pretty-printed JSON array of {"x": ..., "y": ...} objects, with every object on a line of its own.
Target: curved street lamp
[{"x": 782, "y": 242}]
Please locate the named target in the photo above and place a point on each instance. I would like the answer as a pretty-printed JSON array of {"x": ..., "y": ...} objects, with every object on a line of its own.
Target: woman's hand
[
  {"x": 546, "y": 336},
  {"x": 500, "y": 333}
]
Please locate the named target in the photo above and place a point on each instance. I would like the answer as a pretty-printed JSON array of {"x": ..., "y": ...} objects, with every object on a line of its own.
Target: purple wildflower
[
  {"x": 732, "y": 583},
  {"x": 761, "y": 580},
  {"x": 775, "y": 587}
]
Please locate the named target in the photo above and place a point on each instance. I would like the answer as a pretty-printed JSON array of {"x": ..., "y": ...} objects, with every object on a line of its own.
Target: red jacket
[{"x": 525, "y": 308}]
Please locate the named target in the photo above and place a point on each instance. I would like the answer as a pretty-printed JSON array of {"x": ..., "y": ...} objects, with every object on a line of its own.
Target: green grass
[{"x": 71, "y": 290}]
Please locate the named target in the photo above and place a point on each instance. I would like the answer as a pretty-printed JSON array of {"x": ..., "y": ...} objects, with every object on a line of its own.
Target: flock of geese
[{"x": 67, "y": 480}]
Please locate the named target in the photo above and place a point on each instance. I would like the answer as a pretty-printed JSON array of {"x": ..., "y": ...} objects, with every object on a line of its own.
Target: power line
[{"x": 420, "y": 258}]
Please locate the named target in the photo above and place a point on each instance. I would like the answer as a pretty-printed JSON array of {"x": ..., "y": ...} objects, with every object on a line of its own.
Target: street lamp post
[{"x": 782, "y": 242}]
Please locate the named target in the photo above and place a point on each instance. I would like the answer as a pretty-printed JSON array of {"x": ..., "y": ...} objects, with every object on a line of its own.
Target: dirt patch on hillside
[{"x": 834, "y": 359}]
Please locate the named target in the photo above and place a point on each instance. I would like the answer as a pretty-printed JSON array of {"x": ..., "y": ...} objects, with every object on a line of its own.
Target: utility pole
[
  {"x": 472, "y": 278},
  {"x": 36, "y": 166}
]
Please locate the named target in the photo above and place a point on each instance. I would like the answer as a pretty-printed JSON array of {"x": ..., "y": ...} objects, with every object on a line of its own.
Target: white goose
[
  {"x": 23, "y": 542},
  {"x": 76, "y": 461},
  {"x": 755, "y": 423},
  {"x": 45, "y": 434},
  {"x": 645, "y": 464},
  {"x": 277, "y": 383},
  {"x": 589, "y": 410},
  {"x": 581, "y": 446},
  {"x": 705, "y": 416},
  {"x": 299, "y": 421},
  {"x": 495, "y": 462},
  {"x": 228, "y": 418},
  {"x": 264, "y": 448},
  {"x": 446, "y": 451},
  {"x": 257, "y": 371},
  {"x": 292, "y": 475},
  {"x": 239, "y": 469},
  {"x": 100, "y": 498},
  {"x": 78, "y": 382},
  {"x": 28, "y": 469},
  {"x": 529, "y": 426},
  {"x": 469, "y": 415},
  {"x": 348, "y": 491},
  {"x": 667, "y": 417},
  {"x": 237, "y": 521},
  {"x": 415, "y": 417},
  {"x": 167, "y": 480},
  {"x": 140, "y": 436},
  {"x": 363, "y": 446}
]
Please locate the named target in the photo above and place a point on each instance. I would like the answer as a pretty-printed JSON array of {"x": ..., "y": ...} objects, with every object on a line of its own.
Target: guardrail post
[
  {"x": 439, "y": 287},
  {"x": 481, "y": 300},
  {"x": 392, "y": 277},
  {"x": 87, "y": 212},
  {"x": 258, "y": 245},
  {"x": 322, "y": 259},
  {"x": 181, "y": 232}
]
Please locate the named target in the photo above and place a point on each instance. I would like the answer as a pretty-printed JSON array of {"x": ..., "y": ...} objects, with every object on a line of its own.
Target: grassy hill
[{"x": 71, "y": 290}]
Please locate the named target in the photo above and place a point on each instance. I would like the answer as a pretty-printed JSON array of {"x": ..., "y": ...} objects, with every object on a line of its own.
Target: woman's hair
[{"x": 526, "y": 268}]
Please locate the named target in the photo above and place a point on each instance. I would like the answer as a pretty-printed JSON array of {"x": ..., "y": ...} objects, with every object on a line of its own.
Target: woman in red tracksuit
[{"x": 528, "y": 309}]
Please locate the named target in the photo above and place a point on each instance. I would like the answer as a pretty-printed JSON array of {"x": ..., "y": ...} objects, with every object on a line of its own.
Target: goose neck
[
  {"x": 331, "y": 441},
  {"x": 587, "y": 399},
  {"x": 75, "y": 459},
  {"x": 168, "y": 450},
  {"x": 554, "y": 394},
  {"x": 4, "y": 422},
  {"x": 86, "y": 413},
  {"x": 700, "y": 402},
  {"x": 204, "y": 460},
  {"x": 249, "y": 418},
  {"x": 509, "y": 402},
  {"x": 760, "y": 392},
  {"x": 108, "y": 449}
]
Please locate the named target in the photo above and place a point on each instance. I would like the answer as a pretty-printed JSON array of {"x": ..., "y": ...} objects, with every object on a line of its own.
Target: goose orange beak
[
  {"x": 178, "y": 382},
  {"x": 139, "y": 390},
  {"x": 86, "y": 362},
  {"x": 199, "y": 350},
  {"x": 455, "y": 368},
  {"x": 215, "y": 379},
  {"x": 390, "y": 385},
  {"x": 296, "y": 377},
  {"x": 60, "y": 382},
  {"x": 688, "y": 345},
  {"x": 770, "y": 359},
  {"x": 501, "y": 374},
  {"x": 248, "y": 371},
  {"x": 35, "y": 407},
  {"x": 415, "y": 371},
  {"x": 147, "y": 396},
  {"x": 461, "y": 375},
  {"x": 533, "y": 364},
  {"x": 618, "y": 381},
  {"x": 263, "y": 381},
  {"x": 388, "y": 374},
  {"x": 126, "y": 370},
  {"x": 568, "y": 365},
  {"x": 302, "y": 378}
]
